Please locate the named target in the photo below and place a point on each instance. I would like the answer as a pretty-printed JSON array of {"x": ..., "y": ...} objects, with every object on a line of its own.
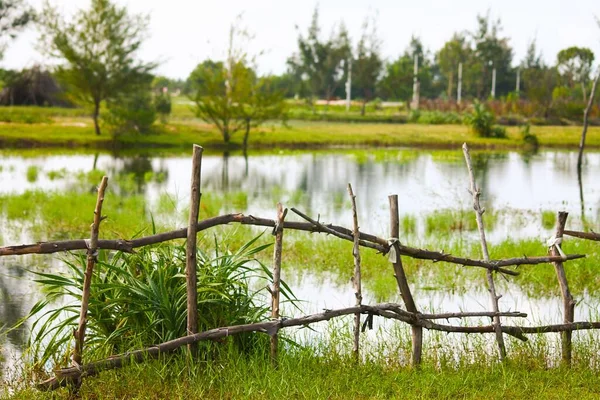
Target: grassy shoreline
[
  {"x": 303, "y": 375},
  {"x": 78, "y": 132}
]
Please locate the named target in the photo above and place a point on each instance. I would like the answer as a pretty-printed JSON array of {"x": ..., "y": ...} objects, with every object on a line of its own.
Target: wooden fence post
[
  {"x": 190, "y": 248},
  {"x": 475, "y": 192},
  {"x": 417, "y": 331},
  {"x": 568, "y": 301},
  {"x": 356, "y": 277},
  {"x": 275, "y": 289},
  {"x": 92, "y": 252}
]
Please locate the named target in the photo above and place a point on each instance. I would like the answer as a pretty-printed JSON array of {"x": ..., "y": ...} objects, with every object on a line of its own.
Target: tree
[
  {"x": 230, "y": 96},
  {"x": 323, "y": 64},
  {"x": 134, "y": 110},
  {"x": 491, "y": 52},
  {"x": 98, "y": 48},
  {"x": 455, "y": 51},
  {"x": 368, "y": 63},
  {"x": 397, "y": 82},
  {"x": 14, "y": 16},
  {"x": 265, "y": 103},
  {"x": 203, "y": 71},
  {"x": 575, "y": 65},
  {"x": 538, "y": 79}
]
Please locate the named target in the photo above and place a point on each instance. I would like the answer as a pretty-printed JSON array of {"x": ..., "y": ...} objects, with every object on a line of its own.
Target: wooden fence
[{"x": 392, "y": 247}]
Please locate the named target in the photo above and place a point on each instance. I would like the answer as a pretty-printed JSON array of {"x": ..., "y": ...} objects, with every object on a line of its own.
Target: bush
[
  {"x": 134, "y": 112},
  {"x": 162, "y": 104},
  {"x": 481, "y": 121},
  {"x": 140, "y": 299},
  {"x": 438, "y": 118},
  {"x": 529, "y": 138}
]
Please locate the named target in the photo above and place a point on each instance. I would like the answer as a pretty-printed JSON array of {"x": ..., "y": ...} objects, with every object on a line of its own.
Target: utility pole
[
  {"x": 518, "y": 81},
  {"x": 349, "y": 86},
  {"x": 415, "y": 100},
  {"x": 459, "y": 87},
  {"x": 493, "y": 80}
]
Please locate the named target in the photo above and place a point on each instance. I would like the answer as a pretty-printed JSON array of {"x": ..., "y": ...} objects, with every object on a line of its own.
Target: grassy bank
[
  {"x": 302, "y": 374},
  {"x": 299, "y": 134}
]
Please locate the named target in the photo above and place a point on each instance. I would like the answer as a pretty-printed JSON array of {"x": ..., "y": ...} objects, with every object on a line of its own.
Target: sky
[{"x": 183, "y": 33}]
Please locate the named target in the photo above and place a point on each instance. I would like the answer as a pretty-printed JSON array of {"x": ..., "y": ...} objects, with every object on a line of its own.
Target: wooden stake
[
  {"x": 356, "y": 278},
  {"x": 568, "y": 302},
  {"x": 275, "y": 289},
  {"x": 92, "y": 252},
  {"x": 190, "y": 248},
  {"x": 417, "y": 331},
  {"x": 475, "y": 192}
]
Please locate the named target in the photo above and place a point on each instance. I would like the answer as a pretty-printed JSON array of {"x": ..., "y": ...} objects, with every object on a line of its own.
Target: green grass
[
  {"x": 32, "y": 173},
  {"x": 70, "y": 129},
  {"x": 548, "y": 219},
  {"x": 304, "y": 374}
]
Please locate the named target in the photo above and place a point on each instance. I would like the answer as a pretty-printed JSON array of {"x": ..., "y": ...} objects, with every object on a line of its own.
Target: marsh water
[{"x": 520, "y": 191}]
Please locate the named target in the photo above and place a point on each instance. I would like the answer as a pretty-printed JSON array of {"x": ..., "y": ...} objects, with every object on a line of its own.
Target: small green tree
[
  {"x": 230, "y": 96},
  {"x": 98, "y": 48},
  {"x": 133, "y": 111},
  {"x": 264, "y": 103},
  {"x": 368, "y": 63},
  {"x": 575, "y": 65}
]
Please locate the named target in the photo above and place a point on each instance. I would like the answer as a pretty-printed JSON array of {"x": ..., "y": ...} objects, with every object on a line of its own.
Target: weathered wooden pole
[
  {"x": 92, "y": 252},
  {"x": 356, "y": 277},
  {"x": 275, "y": 289},
  {"x": 476, "y": 192},
  {"x": 190, "y": 248},
  {"x": 568, "y": 301},
  {"x": 417, "y": 331},
  {"x": 585, "y": 123}
]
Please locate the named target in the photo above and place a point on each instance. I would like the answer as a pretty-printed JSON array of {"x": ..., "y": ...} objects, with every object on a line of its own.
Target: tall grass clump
[
  {"x": 481, "y": 121},
  {"x": 529, "y": 139},
  {"x": 32, "y": 173},
  {"x": 140, "y": 299}
]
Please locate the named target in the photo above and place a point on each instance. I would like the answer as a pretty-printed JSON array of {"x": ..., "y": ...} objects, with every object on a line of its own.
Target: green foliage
[
  {"x": 457, "y": 50},
  {"x": 481, "y": 121},
  {"x": 98, "y": 48},
  {"x": 548, "y": 219},
  {"x": 529, "y": 138},
  {"x": 327, "y": 373},
  {"x": 397, "y": 82},
  {"x": 575, "y": 66},
  {"x": 230, "y": 96},
  {"x": 162, "y": 104},
  {"x": 140, "y": 299},
  {"x": 321, "y": 65},
  {"x": 367, "y": 64},
  {"x": 24, "y": 115},
  {"x": 32, "y": 173},
  {"x": 131, "y": 112}
]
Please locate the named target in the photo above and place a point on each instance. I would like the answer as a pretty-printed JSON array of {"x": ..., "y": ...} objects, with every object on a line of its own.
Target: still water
[{"x": 518, "y": 187}]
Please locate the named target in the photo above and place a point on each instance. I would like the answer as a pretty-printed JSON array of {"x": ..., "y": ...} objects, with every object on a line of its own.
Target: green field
[{"x": 55, "y": 127}]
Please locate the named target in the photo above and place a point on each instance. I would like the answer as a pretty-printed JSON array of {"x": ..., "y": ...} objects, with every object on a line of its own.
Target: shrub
[
  {"x": 134, "y": 112},
  {"x": 162, "y": 104},
  {"x": 140, "y": 299},
  {"x": 529, "y": 138},
  {"x": 481, "y": 121}
]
